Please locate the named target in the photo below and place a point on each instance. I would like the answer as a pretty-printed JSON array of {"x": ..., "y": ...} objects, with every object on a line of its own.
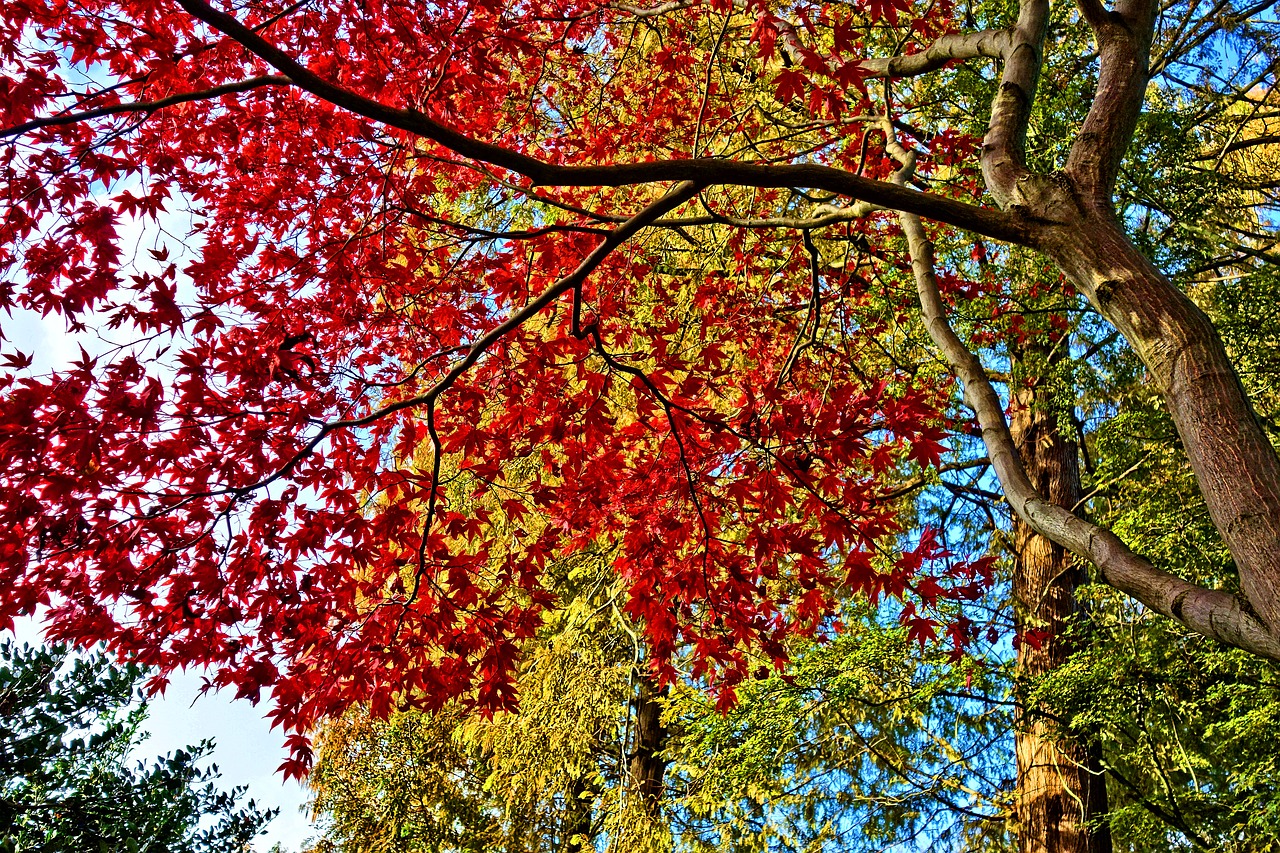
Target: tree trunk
[
  {"x": 1061, "y": 790},
  {"x": 1070, "y": 217},
  {"x": 1234, "y": 463},
  {"x": 577, "y": 825},
  {"x": 647, "y": 766}
]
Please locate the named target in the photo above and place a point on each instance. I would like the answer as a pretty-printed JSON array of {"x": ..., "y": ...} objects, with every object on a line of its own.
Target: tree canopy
[{"x": 471, "y": 287}]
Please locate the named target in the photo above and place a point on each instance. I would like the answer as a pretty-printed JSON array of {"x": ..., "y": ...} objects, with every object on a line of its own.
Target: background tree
[
  {"x": 68, "y": 727},
  {"x": 564, "y": 772}
]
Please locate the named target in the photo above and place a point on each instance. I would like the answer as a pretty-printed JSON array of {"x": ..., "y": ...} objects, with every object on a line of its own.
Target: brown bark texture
[
  {"x": 1061, "y": 798},
  {"x": 1233, "y": 461},
  {"x": 647, "y": 766}
]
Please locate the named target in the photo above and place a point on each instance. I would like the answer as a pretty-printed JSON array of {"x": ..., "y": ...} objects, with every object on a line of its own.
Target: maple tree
[
  {"x": 427, "y": 340},
  {"x": 860, "y": 743}
]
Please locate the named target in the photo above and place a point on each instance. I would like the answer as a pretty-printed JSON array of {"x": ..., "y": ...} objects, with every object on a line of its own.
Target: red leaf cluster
[{"x": 364, "y": 399}]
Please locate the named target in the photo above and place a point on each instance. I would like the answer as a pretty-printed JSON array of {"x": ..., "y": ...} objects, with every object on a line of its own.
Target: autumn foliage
[{"x": 434, "y": 295}]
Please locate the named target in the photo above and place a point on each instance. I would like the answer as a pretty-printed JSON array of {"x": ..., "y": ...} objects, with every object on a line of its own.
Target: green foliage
[
  {"x": 1188, "y": 727},
  {"x": 868, "y": 741},
  {"x": 1246, "y": 310},
  {"x": 864, "y": 742},
  {"x": 67, "y": 726},
  {"x": 1189, "y": 732},
  {"x": 400, "y": 784}
]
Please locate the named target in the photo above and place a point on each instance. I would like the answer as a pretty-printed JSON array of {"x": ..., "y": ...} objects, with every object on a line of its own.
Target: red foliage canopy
[{"x": 421, "y": 340}]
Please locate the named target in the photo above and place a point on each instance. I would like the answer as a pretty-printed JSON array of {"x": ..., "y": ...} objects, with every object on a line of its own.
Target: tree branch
[
  {"x": 921, "y": 480},
  {"x": 653, "y": 11},
  {"x": 704, "y": 171},
  {"x": 1124, "y": 50},
  {"x": 1004, "y": 146},
  {"x": 144, "y": 106},
  {"x": 990, "y": 43},
  {"x": 1213, "y": 613},
  {"x": 1094, "y": 13},
  {"x": 1239, "y": 145},
  {"x": 672, "y": 199}
]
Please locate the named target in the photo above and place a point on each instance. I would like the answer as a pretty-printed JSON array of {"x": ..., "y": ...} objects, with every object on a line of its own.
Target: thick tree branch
[
  {"x": 991, "y": 43},
  {"x": 1213, "y": 613},
  {"x": 653, "y": 11},
  {"x": 1004, "y": 147},
  {"x": 822, "y": 216},
  {"x": 1233, "y": 460},
  {"x": 1094, "y": 13},
  {"x": 991, "y": 223},
  {"x": 1124, "y": 50}
]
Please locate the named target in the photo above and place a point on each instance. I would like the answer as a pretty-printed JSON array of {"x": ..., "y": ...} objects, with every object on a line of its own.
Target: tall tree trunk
[
  {"x": 1061, "y": 790},
  {"x": 647, "y": 766},
  {"x": 1235, "y": 465},
  {"x": 577, "y": 825}
]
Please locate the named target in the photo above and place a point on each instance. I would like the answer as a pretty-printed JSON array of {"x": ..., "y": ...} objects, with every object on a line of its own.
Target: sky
[{"x": 248, "y": 751}]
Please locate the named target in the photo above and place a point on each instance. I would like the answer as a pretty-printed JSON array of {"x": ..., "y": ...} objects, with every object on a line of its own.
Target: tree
[
  {"x": 857, "y": 747},
  {"x": 423, "y": 226},
  {"x": 66, "y": 784},
  {"x": 555, "y": 775}
]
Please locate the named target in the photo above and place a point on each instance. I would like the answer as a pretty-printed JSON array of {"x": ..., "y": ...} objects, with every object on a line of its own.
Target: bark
[
  {"x": 989, "y": 43},
  {"x": 647, "y": 766},
  {"x": 1071, "y": 219},
  {"x": 1061, "y": 789},
  {"x": 577, "y": 830},
  {"x": 1003, "y": 147},
  {"x": 1234, "y": 463},
  {"x": 703, "y": 171}
]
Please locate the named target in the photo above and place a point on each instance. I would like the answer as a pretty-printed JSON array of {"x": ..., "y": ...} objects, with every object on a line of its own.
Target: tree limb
[
  {"x": 145, "y": 106},
  {"x": 705, "y": 171},
  {"x": 1124, "y": 50},
  {"x": 1213, "y": 613},
  {"x": 1093, "y": 12},
  {"x": 1239, "y": 145},
  {"x": 1004, "y": 146},
  {"x": 990, "y": 43}
]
